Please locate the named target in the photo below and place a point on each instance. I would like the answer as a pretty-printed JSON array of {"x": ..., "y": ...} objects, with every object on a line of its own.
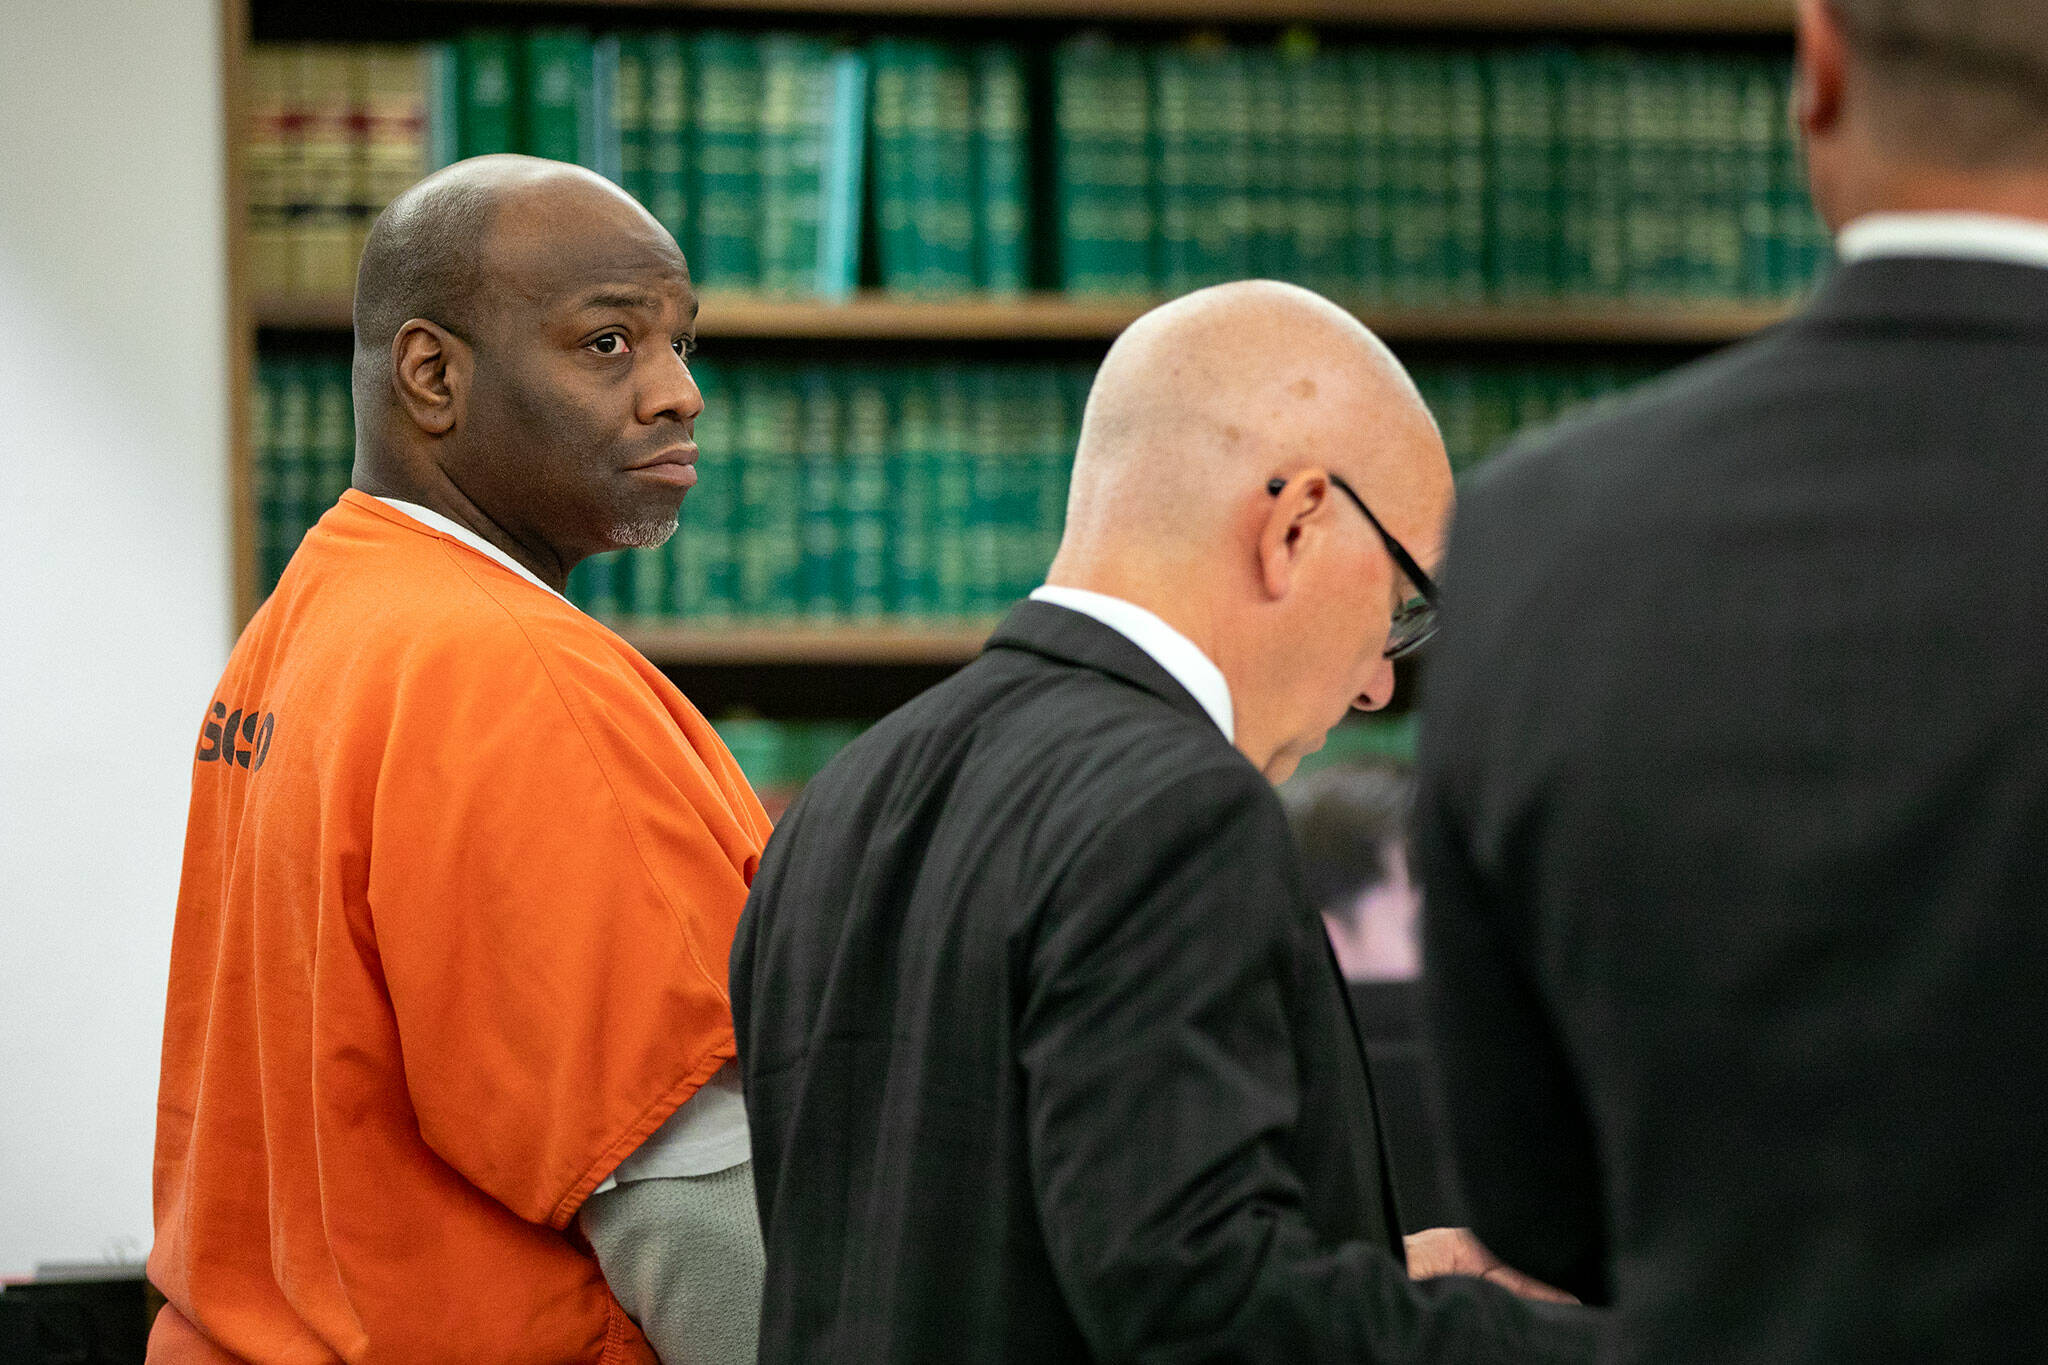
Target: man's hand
[{"x": 1455, "y": 1251}]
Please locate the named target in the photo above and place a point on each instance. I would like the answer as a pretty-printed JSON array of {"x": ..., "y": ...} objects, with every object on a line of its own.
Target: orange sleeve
[{"x": 553, "y": 884}]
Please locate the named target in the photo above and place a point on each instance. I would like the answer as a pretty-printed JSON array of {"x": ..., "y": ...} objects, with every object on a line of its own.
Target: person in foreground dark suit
[
  {"x": 1045, "y": 1055},
  {"x": 1734, "y": 782},
  {"x": 1350, "y": 821}
]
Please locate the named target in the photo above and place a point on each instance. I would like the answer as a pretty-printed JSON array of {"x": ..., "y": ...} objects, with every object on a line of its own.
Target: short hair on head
[
  {"x": 423, "y": 259},
  {"x": 1346, "y": 820},
  {"x": 1961, "y": 83}
]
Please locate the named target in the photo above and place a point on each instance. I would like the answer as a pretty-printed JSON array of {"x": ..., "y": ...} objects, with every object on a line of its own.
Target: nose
[
  {"x": 1378, "y": 689},
  {"x": 671, "y": 391}
]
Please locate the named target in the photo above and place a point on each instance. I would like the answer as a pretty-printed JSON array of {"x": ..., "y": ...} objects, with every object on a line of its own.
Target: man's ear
[
  {"x": 1286, "y": 531},
  {"x": 1822, "y": 70},
  {"x": 430, "y": 369}
]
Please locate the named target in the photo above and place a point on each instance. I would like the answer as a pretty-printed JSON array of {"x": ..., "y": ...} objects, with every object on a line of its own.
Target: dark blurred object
[
  {"x": 1350, "y": 822},
  {"x": 76, "y": 1316}
]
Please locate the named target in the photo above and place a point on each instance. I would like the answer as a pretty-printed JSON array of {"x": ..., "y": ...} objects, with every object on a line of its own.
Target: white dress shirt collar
[
  {"x": 434, "y": 521},
  {"x": 1952, "y": 236},
  {"x": 1181, "y": 657}
]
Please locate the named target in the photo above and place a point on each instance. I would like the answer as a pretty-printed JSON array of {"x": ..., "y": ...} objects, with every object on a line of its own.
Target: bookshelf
[
  {"x": 1715, "y": 17},
  {"x": 875, "y": 315},
  {"x": 866, "y": 667}
]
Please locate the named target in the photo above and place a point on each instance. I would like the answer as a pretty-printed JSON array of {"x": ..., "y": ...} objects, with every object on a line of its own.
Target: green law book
[
  {"x": 629, "y": 115},
  {"x": 443, "y": 69},
  {"x": 1522, "y": 146},
  {"x": 1272, "y": 225},
  {"x": 1571, "y": 262},
  {"x": 1650, "y": 131},
  {"x": 599, "y": 590},
  {"x": 1052, "y": 450},
  {"x": 864, "y": 495},
  {"x": 726, "y": 159},
  {"x": 1319, "y": 134},
  {"x": 987, "y": 487},
  {"x": 668, "y": 138},
  {"x": 942, "y": 124},
  {"x": 487, "y": 62},
  {"x": 1176, "y": 96},
  {"x": 263, "y": 475},
  {"x": 1606, "y": 72},
  {"x": 646, "y": 596},
  {"x": 333, "y": 448},
  {"x": 817, "y": 452},
  {"x": 702, "y": 572},
  {"x": 769, "y": 530},
  {"x": 953, "y": 495},
  {"x": 292, "y": 437},
  {"x": 557, "y": 78},
  {"x": 1465, "y": 207},
  {"x": 1713, "y": 220},
  {"x": 913, "y": 476},
  {"x": 1371, "y": 160},
  {"x": 1418, "y": 135},
  {"x": 1021, "y": 568},
  {"x": 889, "y": 64},
  {"x": 1215, "y": 179},
  {"x": 842, "y": 178},
  {"x": 1104, "y": 190},
  {"x": 1758, "y": 117},
  {"x": 1002, "y": 170},
  {"x": 794, "y": 129}
]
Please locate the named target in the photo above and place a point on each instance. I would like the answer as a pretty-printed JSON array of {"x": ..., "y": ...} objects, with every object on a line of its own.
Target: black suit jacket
[
  {"x": 1733, "y": 821},
  {"x": 1046, "y": 1055}
]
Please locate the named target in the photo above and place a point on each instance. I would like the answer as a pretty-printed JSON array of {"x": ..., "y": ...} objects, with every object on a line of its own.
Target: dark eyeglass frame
[{"x": 1412, "y": 626}]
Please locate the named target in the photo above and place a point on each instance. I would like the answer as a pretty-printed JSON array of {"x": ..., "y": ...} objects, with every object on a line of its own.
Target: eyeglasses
[{"x": 1414, "y": 622}]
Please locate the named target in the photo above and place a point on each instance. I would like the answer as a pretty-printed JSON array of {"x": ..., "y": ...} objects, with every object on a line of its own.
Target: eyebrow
[{"x": 620, "y": 298}]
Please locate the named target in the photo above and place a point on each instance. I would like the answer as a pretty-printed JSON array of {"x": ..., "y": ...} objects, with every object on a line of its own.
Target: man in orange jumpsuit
[{"x": 462, "y": 868}]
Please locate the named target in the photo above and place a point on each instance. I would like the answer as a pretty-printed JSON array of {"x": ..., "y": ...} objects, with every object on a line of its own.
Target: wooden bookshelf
[
  {"x": 1054, "y": 317},
  {"x": 674, "y": 645},
  {"x": 1591, "y": 16}
]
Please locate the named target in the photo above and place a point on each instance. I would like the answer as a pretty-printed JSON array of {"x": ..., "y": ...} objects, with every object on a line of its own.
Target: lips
[{"x": 676, "y": 465}]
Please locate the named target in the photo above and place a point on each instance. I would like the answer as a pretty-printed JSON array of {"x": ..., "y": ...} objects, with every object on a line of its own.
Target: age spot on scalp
[
  {"x": 1231, "y": 433},
  {"x": 1303, "y": 388}
]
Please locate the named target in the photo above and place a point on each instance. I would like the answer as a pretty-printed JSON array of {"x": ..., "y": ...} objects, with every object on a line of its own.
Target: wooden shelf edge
[
  {"x": 1604, "y": 16},
  {"x": 1056, "y": 317},
  {"x": 879, "y": 644}
]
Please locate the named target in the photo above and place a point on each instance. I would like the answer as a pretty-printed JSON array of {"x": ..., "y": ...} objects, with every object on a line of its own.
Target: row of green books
[
  {"x": 845, "y": 494},
  {"x": 791, "y": 164},
  {"x": 779, "y": 756},
  {"x": 1420, "y": 174}
]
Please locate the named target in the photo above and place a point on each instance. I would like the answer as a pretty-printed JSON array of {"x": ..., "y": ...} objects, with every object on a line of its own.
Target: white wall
[{"x": 114, "y": 582}]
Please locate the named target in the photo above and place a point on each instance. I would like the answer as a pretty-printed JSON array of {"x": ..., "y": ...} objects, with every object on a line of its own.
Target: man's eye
[
  {"x": 611, "y": 343},
  {"x": 685, "y": 346}
]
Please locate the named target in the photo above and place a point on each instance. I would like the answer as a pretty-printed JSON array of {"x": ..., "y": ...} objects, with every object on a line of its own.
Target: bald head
[
  {"x": 1957, "y": 82},
  {"x": 1215, "y": 392},
  {"x": 1208, "y": 488},
  {"x": 521, "y": 327}
]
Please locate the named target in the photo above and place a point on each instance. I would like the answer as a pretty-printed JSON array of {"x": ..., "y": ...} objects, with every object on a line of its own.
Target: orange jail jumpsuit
[{"x": 460, "y": 881}]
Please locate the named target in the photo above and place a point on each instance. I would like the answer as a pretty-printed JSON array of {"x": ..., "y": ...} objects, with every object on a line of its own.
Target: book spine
[
  {"x": 629, "y": 117},
  {"x": 1002, "y": 169},
  {"x": 333, "y": 442},
  {"x": 818, "y": 594},
  {"x": 1220, "y": 163},
  {"x": 952, "y": 496},
  {"x": 795, "y": 113},
  {"x": 600, "y": 120},
  {"x": 292, "y": 458},
  {"x": 1373, "y": 160},
  {"x": 890, "y": 134},
  {"x": 271, "y": 153},
  {"x": 555, "y": 75},
  {"x": 1105, "y": 191},
  {"x": 1607, "y": 75},
  {"x": 770, "y": 521},
  {"x": 668, "y": 138},
  {"x": 987, "y": 494},
  {"x": 1179, "y": 169},
  {"x": 864, "y": 496},
  {"x": 842, "y": 177},
  {"x": 331, "y": 149},
  {"x": 702, "y": 551},
  {"x": 487, "y": 63},
  {"x": 1272, "y": 225},
  {"x": 397, "y": 87},
  {"x": 727, "y": 161},
  {"x": 1320, "y": 119},
  {"x": 263, "y": 475},
  {"x": 913, "y": 478}
]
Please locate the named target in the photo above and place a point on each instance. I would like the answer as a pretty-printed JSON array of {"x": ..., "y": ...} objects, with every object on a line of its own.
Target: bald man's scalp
[
  {"x": 423, "y": 259},
  {"x": 1960, "y": 83}
]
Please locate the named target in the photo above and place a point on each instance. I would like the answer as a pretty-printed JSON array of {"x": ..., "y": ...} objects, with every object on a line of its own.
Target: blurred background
[{"x": 916, "y": 226}]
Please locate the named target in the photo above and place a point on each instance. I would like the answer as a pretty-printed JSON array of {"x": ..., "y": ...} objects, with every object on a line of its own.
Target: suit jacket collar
[
  {"x": 1934, "y": 293},
  {"x": 1068, "y": 637}
]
